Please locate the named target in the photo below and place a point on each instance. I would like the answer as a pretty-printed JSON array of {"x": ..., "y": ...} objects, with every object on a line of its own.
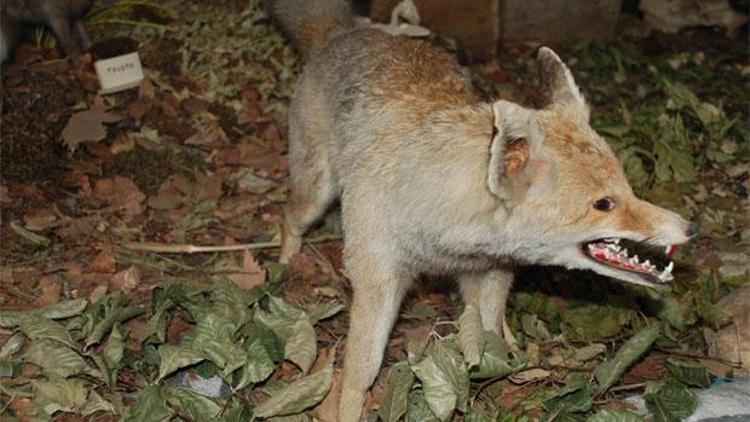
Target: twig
[
  {"x": 128, "y": 22},
  {"x": 29, "y": 236},
  {"x": 190, "y": 249},
  {"x": 697, "y": 356},
  {"x": 627, "y": 387}
]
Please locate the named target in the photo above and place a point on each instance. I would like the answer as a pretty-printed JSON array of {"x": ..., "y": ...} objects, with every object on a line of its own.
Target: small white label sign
[{"x": 119, "y": 73}]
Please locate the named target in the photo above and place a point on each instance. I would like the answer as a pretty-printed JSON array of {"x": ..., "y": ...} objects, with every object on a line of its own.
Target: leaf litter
[{"x": 197, "y": 158}]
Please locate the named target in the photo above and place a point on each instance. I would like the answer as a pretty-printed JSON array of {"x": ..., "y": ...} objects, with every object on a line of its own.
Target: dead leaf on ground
[
  {"x": 251, "y": 273},
  {"x": 49, "y": 291},
  {"x": 210, "y": 135},
  {"x": 530, "y": 375},
  {"x": 121, "y": 193},
  {"x": 121, "y": 143},
  {"x": 105, "y": 261},
  {"x": 126, "y": 280},
  {"x": 327, "y": 410},
  {"x": 87, "y": 126},
  {"x": 40, "y": 219}
]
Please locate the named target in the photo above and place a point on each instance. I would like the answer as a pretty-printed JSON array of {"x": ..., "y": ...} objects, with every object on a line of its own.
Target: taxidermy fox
[
  {"x": 63, "y": 17},
  {"x": 433, "y": 180}
]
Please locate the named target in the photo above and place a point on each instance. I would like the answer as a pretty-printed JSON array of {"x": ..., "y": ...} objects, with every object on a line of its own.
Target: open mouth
[{"x": 646, "y": 261}]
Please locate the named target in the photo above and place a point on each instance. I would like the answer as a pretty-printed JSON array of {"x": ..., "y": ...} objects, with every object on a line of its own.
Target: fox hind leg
[{"x": 313, "y": 188}]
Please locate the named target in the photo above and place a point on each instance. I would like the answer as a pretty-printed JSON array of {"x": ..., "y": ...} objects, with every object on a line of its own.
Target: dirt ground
[{"x": 197, "y": 156}]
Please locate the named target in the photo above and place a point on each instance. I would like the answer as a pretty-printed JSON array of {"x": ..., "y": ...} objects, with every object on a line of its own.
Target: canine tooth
[
  {"x": 666, "y": 249},
  {"x": 666, "y": 275},
  {"x": 635, "y": 259}
]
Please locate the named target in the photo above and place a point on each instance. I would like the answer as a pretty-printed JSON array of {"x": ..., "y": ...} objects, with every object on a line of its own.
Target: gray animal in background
[{"x": 63, "y": 17}]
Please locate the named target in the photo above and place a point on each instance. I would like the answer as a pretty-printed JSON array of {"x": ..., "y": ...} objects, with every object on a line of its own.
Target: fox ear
[
  {"x": 516, "y": 138},
  {"x": 557, "y": 83}
]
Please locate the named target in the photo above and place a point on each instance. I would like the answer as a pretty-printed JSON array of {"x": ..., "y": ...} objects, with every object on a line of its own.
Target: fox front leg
[
  {"x": 489, "y": 291},
  {"x": 83, "y": 36},
  {"x": 377, "y": 297},
  {"x": 60, "y": 24}
]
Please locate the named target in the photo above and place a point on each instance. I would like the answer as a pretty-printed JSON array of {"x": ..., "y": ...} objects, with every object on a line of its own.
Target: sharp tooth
[
  {"x": 666, "y": 250},
  {"x": 666, "y": 275},
  {"x": 617, "y": 240},
  {"x": 625, "y": 251},
  {"x": 635, "y": 259}
]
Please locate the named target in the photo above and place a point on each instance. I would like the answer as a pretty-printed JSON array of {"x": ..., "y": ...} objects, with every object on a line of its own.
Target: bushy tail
[{"x": 311, "y": 23}]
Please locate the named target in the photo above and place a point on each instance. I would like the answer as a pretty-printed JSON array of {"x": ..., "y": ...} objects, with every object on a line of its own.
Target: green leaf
[
  {"x": 669, "y": 401},
  {"x": 59, "y": 394},
  {"x": 149, "y": 406},
  {"x": 257, "y": 331},
  {"x": 689, "y": 372},
  {"x": 470, "y": 335},
  {"x": 438, "y": 390},
  {"x": 60, "y": 310},
  {"x": 39, "y": 328},
  {"x": 115, "y": 346},
  {"x": 214, "y": 336},
  {"x": 418, "y": 410},
  {"x": 259, "y": 365},
  {"x": 609, "y": 372},
  {"x": 276, "y": 272},
  {"x": 104, "y": 326},
  {"x": 156, "y": 326},
  {"x": 575, "y": 397},
  {"x": 56, "y": 358},
  {"x": 12, "y": 346},
  {"x": 448, "y": 358},
  {"x": 592, "y": 322},
  {"x": 424, "y": 310},
  {"x": 173, "y": 358},
  {"x": 495, "y": 361},
  {"x": 400, "y": 381},
  {"x": 199, "y": 408},
  {"x": 96, "y": 403},
  {"x": 324, "y": 311},
  {"x": 109, "y": 361},
  {"x": 64, "y": 309},
  {"x": 294, "y": 328},
  {"x": 614, "y": 416},
  {"x": 299, "y": 395}
]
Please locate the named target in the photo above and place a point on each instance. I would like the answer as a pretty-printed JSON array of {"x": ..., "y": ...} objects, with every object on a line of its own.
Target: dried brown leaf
[{"x": 88, "y": 125}]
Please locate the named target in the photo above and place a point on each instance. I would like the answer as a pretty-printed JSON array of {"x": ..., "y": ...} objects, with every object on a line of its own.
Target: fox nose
[{"x": 693, "y": 230}]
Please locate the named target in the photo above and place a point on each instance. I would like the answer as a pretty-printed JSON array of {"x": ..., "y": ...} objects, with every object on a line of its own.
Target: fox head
[{"x": 566, "y": 193}]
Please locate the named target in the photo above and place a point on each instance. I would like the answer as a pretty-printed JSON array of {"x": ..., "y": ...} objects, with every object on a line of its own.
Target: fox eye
[{"x": 604, "y": 204}]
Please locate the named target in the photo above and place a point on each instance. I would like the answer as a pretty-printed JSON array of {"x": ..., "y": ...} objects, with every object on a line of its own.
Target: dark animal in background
[{"x": 63, "y": 17}]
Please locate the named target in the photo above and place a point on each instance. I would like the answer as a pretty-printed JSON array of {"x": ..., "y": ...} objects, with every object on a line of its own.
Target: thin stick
[
  {"x": 184, "y": 248},
  {"x": 698, "y": 356},
  {"x": 627, "y": 387}
]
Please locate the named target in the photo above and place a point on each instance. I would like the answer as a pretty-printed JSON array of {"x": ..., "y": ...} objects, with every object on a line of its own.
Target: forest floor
[{"x": 101, "y": 198}]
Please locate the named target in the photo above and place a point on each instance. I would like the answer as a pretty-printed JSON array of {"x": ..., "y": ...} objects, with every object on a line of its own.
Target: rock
[
  {"x": 732, "y": 342},
  {"x": 473, "y": 23},
  {"x": 734, "y": 264},
  {"x": 480, "y": 26},
  {"x": 672, "y": 15}
]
